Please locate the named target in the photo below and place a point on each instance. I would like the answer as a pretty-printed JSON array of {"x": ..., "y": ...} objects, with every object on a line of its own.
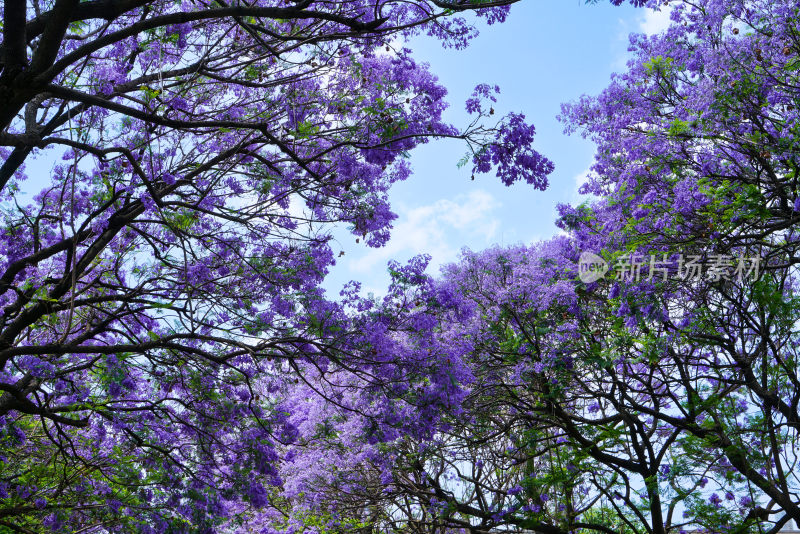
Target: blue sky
[{"x": 546, "y": 53}]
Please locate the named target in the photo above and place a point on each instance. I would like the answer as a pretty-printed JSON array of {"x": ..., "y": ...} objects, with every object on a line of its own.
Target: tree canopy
[
  {"x": 663, "y": 396},
  {"x": 169, "y": 362}
]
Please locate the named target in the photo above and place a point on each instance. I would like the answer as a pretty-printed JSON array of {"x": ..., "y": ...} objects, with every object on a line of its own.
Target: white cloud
[
  {"x": 650, "y": 22},
  {"x": 580, "y": 179},
  {"x": 433, "y": 229},
  {"x": 654, "y": 22}
]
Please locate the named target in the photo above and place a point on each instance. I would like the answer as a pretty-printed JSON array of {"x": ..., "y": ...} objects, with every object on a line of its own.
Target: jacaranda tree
[
  {"x": 698, "y": 159},
  {"x": 662, "y": 397}
]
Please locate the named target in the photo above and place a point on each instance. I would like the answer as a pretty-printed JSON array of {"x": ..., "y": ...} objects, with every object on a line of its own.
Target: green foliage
[{"x": 659, "y": 65}]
